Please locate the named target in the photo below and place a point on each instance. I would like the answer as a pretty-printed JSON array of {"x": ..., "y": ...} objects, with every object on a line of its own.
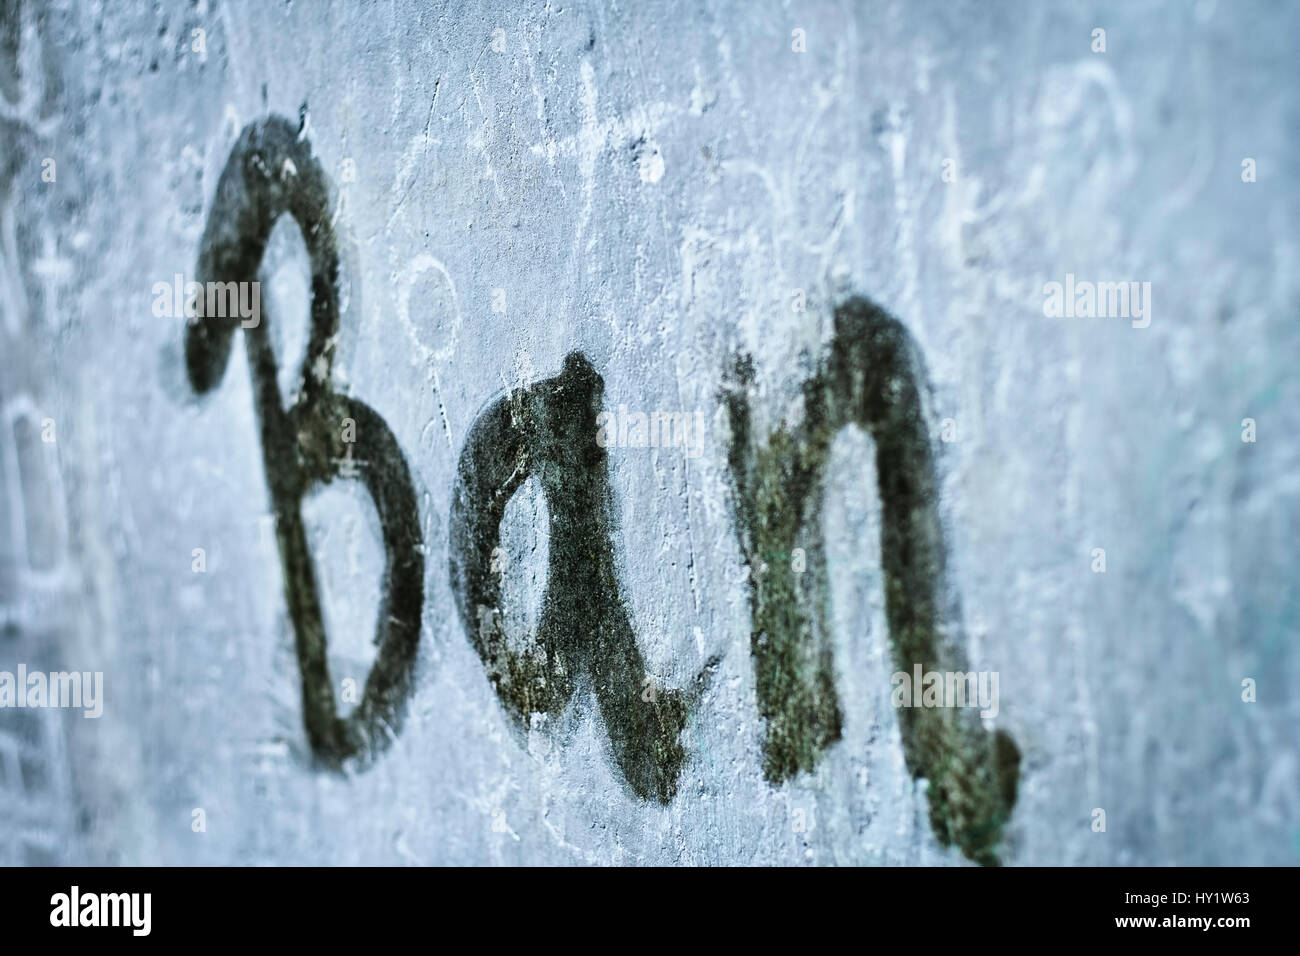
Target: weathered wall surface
[{"x": 655, "y": 185}]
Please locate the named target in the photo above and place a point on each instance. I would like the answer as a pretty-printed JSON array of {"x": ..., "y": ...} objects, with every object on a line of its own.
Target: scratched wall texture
[{"x": 650, "y": 184}]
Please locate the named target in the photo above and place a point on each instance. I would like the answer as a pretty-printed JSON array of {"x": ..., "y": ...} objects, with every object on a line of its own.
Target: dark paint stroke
[
  {"x": 584, "y": 633},
  {"x": 303, "y": 445},
  {"x": 872, "y": 378}
]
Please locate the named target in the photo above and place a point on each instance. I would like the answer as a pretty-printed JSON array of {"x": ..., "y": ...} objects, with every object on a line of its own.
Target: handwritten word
[{"x": 871, "y": 378}]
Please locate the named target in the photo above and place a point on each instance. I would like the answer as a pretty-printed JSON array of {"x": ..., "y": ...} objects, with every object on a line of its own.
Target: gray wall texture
[{"x": 657, "y": 186}]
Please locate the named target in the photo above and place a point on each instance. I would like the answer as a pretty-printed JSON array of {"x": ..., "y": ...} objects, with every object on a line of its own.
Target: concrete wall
[{"x": 655, "y": 185}]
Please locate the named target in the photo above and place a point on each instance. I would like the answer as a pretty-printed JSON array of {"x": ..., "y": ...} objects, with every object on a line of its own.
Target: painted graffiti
[{"x": 872, "y": 378}]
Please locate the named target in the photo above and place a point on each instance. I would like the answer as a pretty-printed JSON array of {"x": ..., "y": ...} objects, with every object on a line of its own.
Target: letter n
[{"x": 871, "y": 378}]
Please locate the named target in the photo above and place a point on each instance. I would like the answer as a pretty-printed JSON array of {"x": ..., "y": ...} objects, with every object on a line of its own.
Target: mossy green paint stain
[{"x": 872, "y": 378}]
